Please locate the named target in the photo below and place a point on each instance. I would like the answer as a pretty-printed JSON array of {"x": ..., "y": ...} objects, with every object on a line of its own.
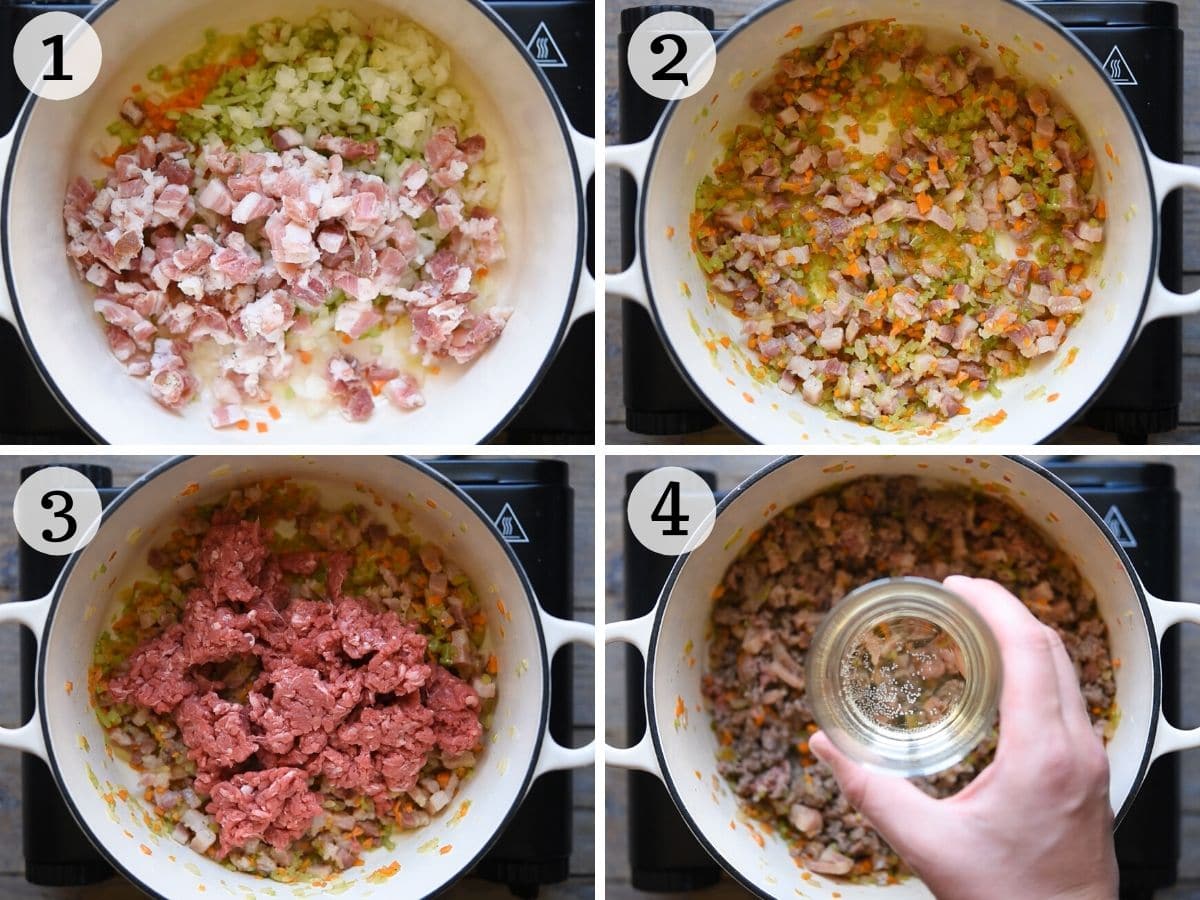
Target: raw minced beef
[
  {"x": 297, "y": 684},
  {"x": 899, "y": 229},
  {"x": 773, "y": 597}
]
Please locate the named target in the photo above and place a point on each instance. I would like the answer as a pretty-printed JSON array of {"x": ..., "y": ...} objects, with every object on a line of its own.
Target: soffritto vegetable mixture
[
  {"x": 805, "y": 560},
  {"x": 293, "y": 217},
  {"x": 296, "y": 683},
  {"x": 901, "y": 228}
]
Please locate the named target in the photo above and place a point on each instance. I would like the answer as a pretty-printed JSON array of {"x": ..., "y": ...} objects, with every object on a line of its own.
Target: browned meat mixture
[
  {"x": 905, "y": 673},
  {"x": 810, "y": 556},
  {"x": 898, "y": 229}
]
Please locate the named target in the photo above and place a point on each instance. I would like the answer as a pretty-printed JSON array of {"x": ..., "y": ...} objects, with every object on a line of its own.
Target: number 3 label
[
  {"x": 671, "y": 510},
  {"x": 671, "y": 55},
  {"x": 57, "y": 55},
  {"x": 57, "y": 511}
]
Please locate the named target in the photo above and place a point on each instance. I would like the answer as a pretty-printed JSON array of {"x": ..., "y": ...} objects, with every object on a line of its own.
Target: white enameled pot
[
  {"x": 543, "y": 162},
  {"x": 65, "y": 733},
  {"x": 669, "y": 165},
  {"x": 680, "y": 747}
]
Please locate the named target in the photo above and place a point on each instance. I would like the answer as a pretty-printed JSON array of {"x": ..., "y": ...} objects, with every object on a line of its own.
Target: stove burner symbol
[
  {"x": 1117, "y": 68},
  {"x": 1120, "y": 528},
  {"x": 545, "y": 49},
  {"x": 510, "y": 526}
]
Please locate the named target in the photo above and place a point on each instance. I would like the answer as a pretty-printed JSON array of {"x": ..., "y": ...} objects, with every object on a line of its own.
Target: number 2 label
[
  {"x": 659, "y": 46},
  {"x": 671, "y": 55}
]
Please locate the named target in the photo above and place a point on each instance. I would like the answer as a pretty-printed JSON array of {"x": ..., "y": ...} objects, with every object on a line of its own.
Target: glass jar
[{"x": 904, "y": 676}]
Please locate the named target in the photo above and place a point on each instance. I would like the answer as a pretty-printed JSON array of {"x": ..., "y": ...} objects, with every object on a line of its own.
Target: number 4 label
[{"x": 671, "y": 510}]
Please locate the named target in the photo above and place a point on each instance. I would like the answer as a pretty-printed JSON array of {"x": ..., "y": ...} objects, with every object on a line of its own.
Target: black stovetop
[
  {"x": 1144, "y": 396},
  {"x": 1141, "y": 506},
  {"x": 532, "y": 504},
  {"x": 560, "y": 411}
]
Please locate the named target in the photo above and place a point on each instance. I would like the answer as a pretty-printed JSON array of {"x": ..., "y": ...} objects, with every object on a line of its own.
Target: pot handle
[
  {"x": 584, "y": 148},
  {"x": 553, "y": 755},
  {"x": 1167, "y": 177},
  {"x": 633, "y": 159},
  {"x": 585, "y": 297},
  {"x": 640, "y": 756},
  {"x": 32, "y": 614},
  {"x": 6, "y": 149},
  {"x": 1164, "y": 614}
]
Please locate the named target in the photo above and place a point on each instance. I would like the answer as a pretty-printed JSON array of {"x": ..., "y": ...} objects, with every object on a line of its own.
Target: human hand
[{"x": 1036, "y": 822}]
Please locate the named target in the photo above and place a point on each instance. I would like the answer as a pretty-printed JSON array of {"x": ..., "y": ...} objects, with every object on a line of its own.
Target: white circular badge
[
  {"x": 57, "y": 55},
  {"x": 57, "y": 511},
  {"x": 671, "y": 510},
  {"x": 672, "y": 55}
]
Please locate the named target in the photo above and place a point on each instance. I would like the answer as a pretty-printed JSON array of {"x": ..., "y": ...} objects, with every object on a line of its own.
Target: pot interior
[
  {"x": 686, "y": 742},
  {"x": 539, "y": 215},
  {"x": 1035, "y": 404},
  {"x": 427, "y": 857}
]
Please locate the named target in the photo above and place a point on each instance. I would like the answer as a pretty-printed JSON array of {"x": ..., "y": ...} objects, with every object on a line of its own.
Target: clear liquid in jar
[{"x": 905, "y": 674}]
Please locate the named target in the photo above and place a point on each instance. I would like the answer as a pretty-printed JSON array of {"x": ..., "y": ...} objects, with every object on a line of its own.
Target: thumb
[{"x": 896, "y": 808}]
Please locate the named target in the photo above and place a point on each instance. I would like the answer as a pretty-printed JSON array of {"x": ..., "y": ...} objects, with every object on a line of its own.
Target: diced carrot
[
  {"x": 1004, "y": 170},
  {"x": 305, "y": 356},
  {"x": 443, "y": 778},
  {"x": 243, "y": 425},
  {"x": 924, "y": 203},
  {"x": 853, "y": 270},
  {"x": 933, "y": 165},
  {"x": 1101, "y": 210},
  {"x": 274, "y": 412},
  {"x": 902, "y": 168},
  {"x": 493, "y": 665},
  {"x": 1075, "y": 272},
  {"x": 261, "y": 426}
]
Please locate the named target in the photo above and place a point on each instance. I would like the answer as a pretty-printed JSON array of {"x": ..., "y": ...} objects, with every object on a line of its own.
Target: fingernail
[{"x": 816, "y": 743}]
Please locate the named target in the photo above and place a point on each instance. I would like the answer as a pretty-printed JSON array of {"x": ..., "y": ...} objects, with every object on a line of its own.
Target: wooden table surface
[
  {"x": 12, "y": 883},
  {"x": 728, "y": 12},
  {"x": 732, "y": 469}
]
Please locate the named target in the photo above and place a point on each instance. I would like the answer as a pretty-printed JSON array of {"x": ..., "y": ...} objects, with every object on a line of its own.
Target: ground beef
[
  {"x": 274, "y": 805},
  {"x": 806, "y": 559},
  {"x": 278, "y": 697},
  {"x": 156, "y": 676}
]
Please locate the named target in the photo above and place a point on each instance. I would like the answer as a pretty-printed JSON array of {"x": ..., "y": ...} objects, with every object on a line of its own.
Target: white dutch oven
[
  {"x": 670, "y": 164},
  {"x": 680, "y": 747},
  {"x": 64, "y": 731},
  {"x": 544, "y": 164}
]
